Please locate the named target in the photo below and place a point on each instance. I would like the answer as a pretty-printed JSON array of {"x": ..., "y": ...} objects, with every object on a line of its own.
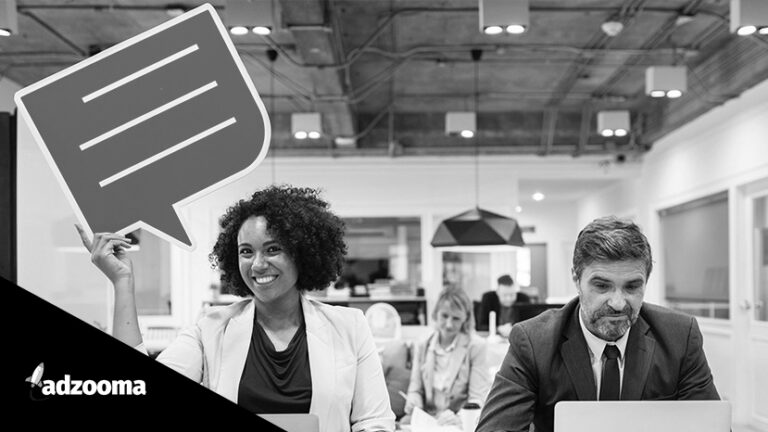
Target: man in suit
[
  {"x": 501, "y": 301},
  {"x": 604, "y": 345}
]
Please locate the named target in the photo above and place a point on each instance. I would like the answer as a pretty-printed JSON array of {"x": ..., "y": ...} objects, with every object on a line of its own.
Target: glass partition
[{"x": 695, "y": 252}]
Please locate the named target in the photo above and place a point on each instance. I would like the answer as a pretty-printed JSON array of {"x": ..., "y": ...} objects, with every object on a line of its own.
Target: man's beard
[{"x": 611, "y": 329}]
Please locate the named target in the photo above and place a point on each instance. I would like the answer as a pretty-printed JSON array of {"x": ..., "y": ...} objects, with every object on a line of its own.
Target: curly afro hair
[{"x": 300, "y": 221}]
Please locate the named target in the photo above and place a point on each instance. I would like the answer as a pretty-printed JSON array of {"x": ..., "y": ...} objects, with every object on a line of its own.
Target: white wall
[{"x": 556, "y": 225}]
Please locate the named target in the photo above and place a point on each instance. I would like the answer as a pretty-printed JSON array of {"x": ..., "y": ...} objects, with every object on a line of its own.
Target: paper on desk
[{"x": 423, "y": 422}]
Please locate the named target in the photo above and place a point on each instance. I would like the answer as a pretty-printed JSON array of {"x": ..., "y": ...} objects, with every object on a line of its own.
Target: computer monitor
[
  {"x": 643, "y": 416},
  {"x": 524, "y": 311}
]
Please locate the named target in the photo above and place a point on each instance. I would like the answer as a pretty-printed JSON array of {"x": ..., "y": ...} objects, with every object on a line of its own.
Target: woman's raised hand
[{"x": 108, "y": 253}]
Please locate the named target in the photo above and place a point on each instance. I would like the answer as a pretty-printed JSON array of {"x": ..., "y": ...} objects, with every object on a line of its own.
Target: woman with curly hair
[{"x": 276, "y": 351}]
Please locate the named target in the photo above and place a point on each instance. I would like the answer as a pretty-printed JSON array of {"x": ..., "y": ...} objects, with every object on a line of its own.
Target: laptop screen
[
  {"x": 643, "y": 416},
  {"x": 294, "y": 422}
]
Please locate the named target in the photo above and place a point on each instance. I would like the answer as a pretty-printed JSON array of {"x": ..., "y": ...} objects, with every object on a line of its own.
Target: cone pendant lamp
[{"x": 478, "y": 227}]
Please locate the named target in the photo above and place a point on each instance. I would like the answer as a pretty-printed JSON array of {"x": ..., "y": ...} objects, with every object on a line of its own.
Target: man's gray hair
[{"x": 611, "y": 239}]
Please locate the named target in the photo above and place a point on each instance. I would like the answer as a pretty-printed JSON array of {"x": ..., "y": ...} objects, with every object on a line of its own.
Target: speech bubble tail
[{"x": 169, "y": 227}]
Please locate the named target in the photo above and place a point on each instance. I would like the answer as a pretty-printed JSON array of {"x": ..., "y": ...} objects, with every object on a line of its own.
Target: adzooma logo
[{"x": 73, "y": 387}]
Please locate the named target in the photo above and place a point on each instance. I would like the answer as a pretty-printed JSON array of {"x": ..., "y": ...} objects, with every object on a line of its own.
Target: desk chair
[{"x": 384, "y": 322}]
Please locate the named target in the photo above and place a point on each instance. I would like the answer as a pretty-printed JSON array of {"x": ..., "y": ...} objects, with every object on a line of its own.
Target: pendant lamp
[{"x": 477, "y": 227}]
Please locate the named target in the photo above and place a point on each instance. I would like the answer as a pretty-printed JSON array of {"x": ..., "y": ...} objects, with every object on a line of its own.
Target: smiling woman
[{"x": 276, "y": 351}]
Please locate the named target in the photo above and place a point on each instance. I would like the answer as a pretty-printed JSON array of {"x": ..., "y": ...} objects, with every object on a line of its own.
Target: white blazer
[{"x": 348, "y": 389}]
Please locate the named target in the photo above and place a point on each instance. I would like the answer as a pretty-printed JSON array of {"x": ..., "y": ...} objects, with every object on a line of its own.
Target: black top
[
  {"x": 490, "y": 302},
  {"x": 276, "y": 382}
]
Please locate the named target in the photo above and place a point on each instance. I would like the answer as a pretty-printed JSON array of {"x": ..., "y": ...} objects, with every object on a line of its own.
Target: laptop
[
  {"x": 293, "y": 422},
  {"x": 643, "y": 416}
]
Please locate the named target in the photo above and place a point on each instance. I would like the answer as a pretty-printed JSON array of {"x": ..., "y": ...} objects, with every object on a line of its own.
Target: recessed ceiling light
[
  {"x": 493, "y": 30},
  {"x": 674, "y": 94},
  {"x": 313, "y": 135},
  {"x": 300, "y": 135},
  {"x": 607, "y": 132},
  {"x": 746, "y": 30},
  {"x": 518, "y": 209},
  {"x": 174, "y": 10},
  {"x": 238, "y": 30},
  {"x": 620, "y": 132},
  {"x": 538, "y": 196},
  {"x": 467, "y": 133},
  {"x": 262, "y": 30},
  {"x": 612, "y": 28},
  {"x": 515, "y": 29}
]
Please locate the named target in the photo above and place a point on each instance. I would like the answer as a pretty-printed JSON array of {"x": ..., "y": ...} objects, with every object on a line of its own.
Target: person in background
[
  {"x": 276, "y": 351},
  {"x": 606, "y": 344},
  {"x": 501, "y": 301},
  {"x": 449, "y": 367}
]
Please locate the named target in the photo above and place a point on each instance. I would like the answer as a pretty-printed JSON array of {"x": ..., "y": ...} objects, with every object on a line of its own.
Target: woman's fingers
[
  {"x": 106, "y": 244},
  {"x": 83, "y": 237},
  {"x": 103, "y": 241}
]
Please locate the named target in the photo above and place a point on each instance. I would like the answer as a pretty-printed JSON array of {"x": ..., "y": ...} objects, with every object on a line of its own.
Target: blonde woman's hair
[{"x": 456, "y": 298}]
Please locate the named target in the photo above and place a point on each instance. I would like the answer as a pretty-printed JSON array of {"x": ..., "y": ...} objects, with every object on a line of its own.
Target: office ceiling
[{"x": 385, "y": 72}]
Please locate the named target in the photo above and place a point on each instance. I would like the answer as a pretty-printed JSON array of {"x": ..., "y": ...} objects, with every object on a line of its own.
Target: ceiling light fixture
[
  {"x": 538, "y": 196},
  {"x": 748, "y": 17},
  {"x": 477, "y": 227},
  {"x": 461, "y": 123},
  {"x": 612, "y": 28},
  {"x": 306, "y": 125},
  {"x": 245, "y": 16},
  {"x": 497, "y": 16},
  {"x": 9, "y": 24},
  {"x": 669, "y": 81},
  {"x": 175, "y": 9},
  {"x": 613, "y": 123}
]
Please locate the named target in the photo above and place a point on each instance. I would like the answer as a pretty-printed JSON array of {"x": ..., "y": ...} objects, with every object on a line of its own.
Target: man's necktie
[{"x": 609, "y": 384}]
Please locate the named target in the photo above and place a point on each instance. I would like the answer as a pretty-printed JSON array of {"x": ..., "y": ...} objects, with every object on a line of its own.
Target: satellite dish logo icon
[{"x": 37, "y": 375}]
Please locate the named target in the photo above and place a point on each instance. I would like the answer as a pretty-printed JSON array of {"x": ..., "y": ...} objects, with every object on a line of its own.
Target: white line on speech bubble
[
  {"x": 144, "y": 117},
  {"x": 168, "y": 151},
  {"x": 140, "y": 73}
]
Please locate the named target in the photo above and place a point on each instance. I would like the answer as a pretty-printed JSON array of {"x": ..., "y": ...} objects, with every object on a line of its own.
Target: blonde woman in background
[{"x": 449, "y": 368}]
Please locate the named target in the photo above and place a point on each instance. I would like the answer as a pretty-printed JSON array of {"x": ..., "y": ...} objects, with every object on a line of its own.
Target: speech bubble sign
[{"x": 149, "y": 125}]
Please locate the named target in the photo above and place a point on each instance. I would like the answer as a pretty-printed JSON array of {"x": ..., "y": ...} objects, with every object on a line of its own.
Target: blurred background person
[
  {"x": 450, "y": 366},
  {"x": 501, "y": 300}
]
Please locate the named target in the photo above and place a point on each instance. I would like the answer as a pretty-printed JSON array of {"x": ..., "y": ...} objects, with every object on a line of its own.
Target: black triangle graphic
[{"x": 39, "y": 332}]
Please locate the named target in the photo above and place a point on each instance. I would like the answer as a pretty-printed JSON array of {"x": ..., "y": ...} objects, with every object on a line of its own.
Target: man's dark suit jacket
[
  {"x": 490, "y": 302},
  {"x": 548, "y": 361}
]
